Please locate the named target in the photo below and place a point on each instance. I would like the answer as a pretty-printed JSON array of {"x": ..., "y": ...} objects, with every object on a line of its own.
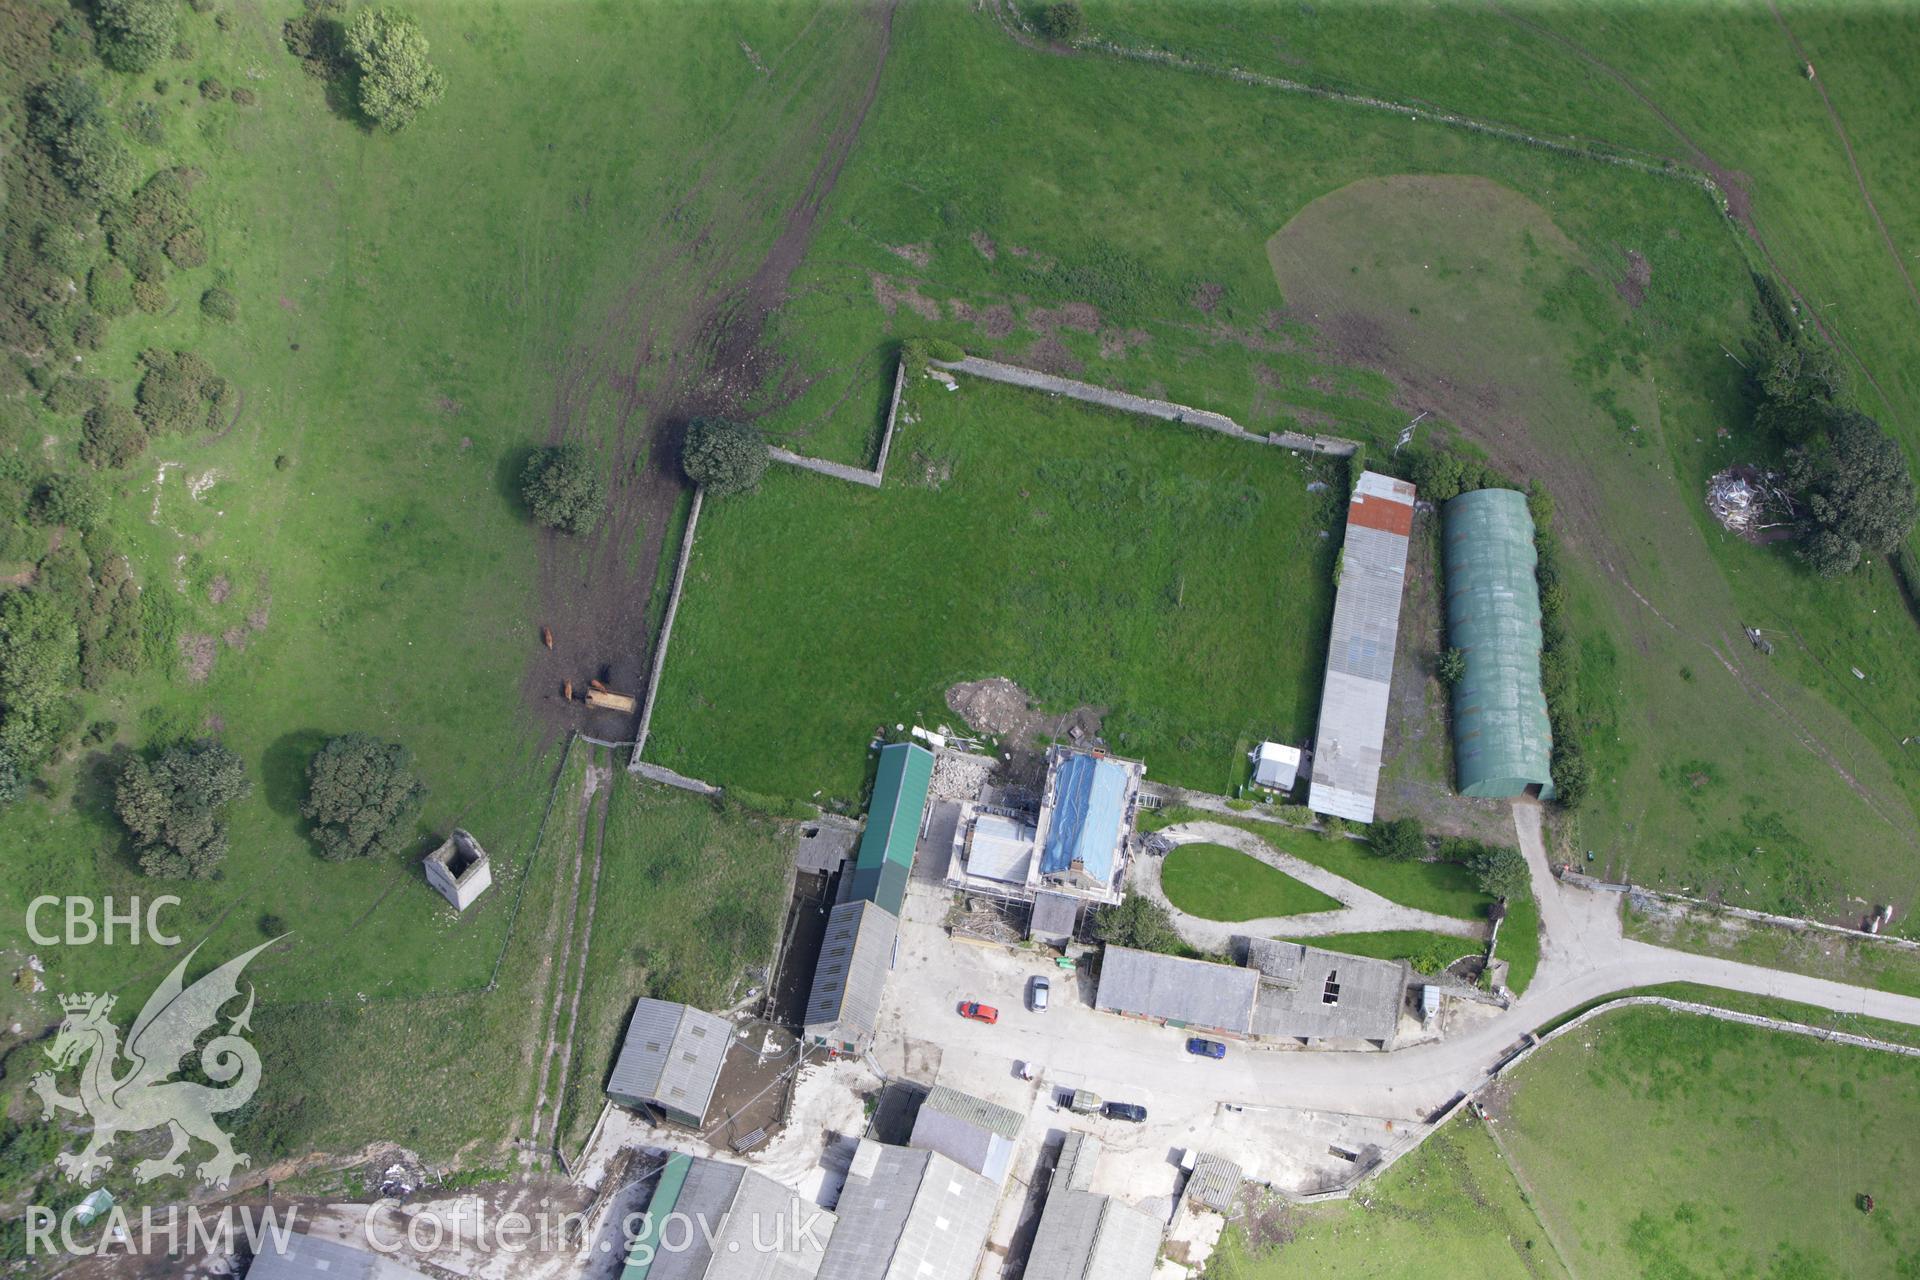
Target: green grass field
[
  {"x": 1449, "y": 1209},
  {"x": 1129, "y": 565},
  {"x": 1217, "y": 883},
  {"x": 1137, "y": 266},
  {"x": 1646, "y": 1144}
]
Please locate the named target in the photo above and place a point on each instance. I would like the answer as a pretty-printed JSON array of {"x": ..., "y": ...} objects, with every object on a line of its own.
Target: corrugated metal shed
[
  {"x": 1502, "y": 741},
  {"x": 1307, "y": 993},
  {"x": 1276, "y": 765},
  {"x": 1214, "y": 1183},
  {"x": 1087, "y": 797},
  {"x": 1083, "y": 1236},
  {"x": 909, "y": 1215},
  {"x": 1366, "y": 623},
  {"x": 1079, "y": 1152},
  {"x": 843, "y": 1008},
  {"x": 1188, "y": 993},
  {"x": 893, "y": 824},
  {"x": 972, "y": 1132},
  {"x": 305, "y": 1257},
  {"x": 737, "y": 1215},
  {"x": 672, "y": 1058}
]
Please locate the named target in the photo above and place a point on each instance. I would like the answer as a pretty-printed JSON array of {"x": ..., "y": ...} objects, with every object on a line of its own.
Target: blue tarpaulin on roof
[{"x": 1086, "y": 817}]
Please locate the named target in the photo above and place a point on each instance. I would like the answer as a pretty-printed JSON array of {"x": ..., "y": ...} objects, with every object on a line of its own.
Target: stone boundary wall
[
  {"x": 667, "y": 777},
  {"x": 666, "y": 634},
  {"x": 840, "y": 470},
  {"x": 1165, "y": 410},
  {"x": 1795, "y": 923}
]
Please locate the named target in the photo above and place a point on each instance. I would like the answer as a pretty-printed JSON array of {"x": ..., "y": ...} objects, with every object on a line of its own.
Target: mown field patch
[{"x": 1217, "y": 883}]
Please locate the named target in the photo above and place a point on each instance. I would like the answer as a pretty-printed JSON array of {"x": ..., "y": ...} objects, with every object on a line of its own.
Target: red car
[{"x": 979, "y": 1012}]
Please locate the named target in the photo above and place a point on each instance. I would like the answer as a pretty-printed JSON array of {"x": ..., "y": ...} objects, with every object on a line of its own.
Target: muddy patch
[
  {"x": 919, "y": 255},
  {"x": 1206, "y": 296},
  {"x": 996, "y": 321},
  {"x": 1353, "y": 337},
  {"x": 1080, "y": 317},
  {"x": 1632, "y": 287},
  {"x": 220, "y": 589},
  {"x": 197, "y": 654},
  {"x": 983, "y": 244},
  {"x": 1115, "y": 343},
  {"x": 893, "y": 294},
  {"x": 999, "y": 708},
  {"x": 1050, "y": 355}
]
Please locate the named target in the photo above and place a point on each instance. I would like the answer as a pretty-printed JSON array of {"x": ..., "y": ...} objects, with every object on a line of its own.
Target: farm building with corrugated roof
[
  {"x": 1502, "y": 741},
  {"x": 898, "y": 808},
  {"x": 1366, "y": 624},
  {"x": 671, "y": 1060}
]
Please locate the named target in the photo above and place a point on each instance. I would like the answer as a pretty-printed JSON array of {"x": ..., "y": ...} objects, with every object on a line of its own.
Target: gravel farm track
[{"x": 686, "y": 339}]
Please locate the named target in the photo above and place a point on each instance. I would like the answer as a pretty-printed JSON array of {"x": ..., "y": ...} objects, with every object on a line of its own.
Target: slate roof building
[
  {"x": 671, "y": 1060},
  {"x": 972, "y": 1132},
  {"x": 1502, "y": 741},
  {"x": 727, "y": 1223},
  {"x": 1311, "y": 995},
  {"x": 1085, "y": 814},
  {"x": 1366, "y": 623},
  {"x": 305, "y": 1257},
  {"x": 1056, "y": 916},
  {"x": 843, "y": 1007},
  {"x": 898, "y": 808},
  {"x": 1196, "y": 994},
  {"x": 1084, "y": 1236},
  {"x": 909, "y": 1215}
]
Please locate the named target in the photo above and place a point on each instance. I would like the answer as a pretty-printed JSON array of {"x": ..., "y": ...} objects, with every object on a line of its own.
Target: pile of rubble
[
  {"x": 959, "y": 776},
  {"x": 1746, "y": 500}
]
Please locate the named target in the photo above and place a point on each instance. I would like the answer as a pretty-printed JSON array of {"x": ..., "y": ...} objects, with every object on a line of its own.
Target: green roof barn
[
  {"x": 1502, "y": 743},
  {"x": 893, "y": 825}
]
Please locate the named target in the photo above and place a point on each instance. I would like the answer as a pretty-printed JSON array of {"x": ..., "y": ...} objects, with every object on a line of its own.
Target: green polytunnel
[{"x": 1502, "y": 742}]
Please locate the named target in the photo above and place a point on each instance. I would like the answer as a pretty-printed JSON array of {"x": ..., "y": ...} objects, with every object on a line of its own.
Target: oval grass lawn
[{"x": 1217, "y": 883}]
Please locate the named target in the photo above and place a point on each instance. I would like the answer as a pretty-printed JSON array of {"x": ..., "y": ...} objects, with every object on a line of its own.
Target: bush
[
  {"x": 1451, "y": 665},
  {"x": 112, "y": 436},
  {"x": 723, "y": 457},
  {"x": 139, "y": 230},
  {"x": 64, "y": 249},
  {"x": 1400, "y": 840},
  {"x": 188, "y": 249},
  {"x": 134, "y": 35},
  {"x": 150, "y": 296},
  {"x": 564, "y": 488},
  {"x": 76, "y": 395},
  {"x": 243, "y": 98},
  {"x": 69, "y": 118},
  {"x": 1572, "y": 773},
  {"x": 90, "y": 331},
  {"x": 1332, "y": 828},
  {"x": 220, "y": 304},
  {"x": 39, "y": 651},
  {"x": 177, "y": 391},
  {"x": 941, "y": 349},
  {"x": 175, "y": 806},
  {"x": 1501, "y": 873},
  {"x": 362, "y": 796},
  {"x": 212, "y": 90},
  {"x": 396, "y": 82},
  {"x": 70, "y": 500},
  {"x": 318, "y": 37},
  {"x": 1061, "y": 21}
]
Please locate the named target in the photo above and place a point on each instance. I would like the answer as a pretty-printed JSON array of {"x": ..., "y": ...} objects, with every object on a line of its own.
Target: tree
[
  {"x": 1061, "y": 21},
  {"x": 564, "y": 488},
  {"x": 1138, "y": 922},
  {"x": 134, "y": 35},
  {"x": 363, "y": 796},
  {"x": 1858, "y": 490},
  {"x": 723, "y": 457},
  {"x": 176, "y": 808},
  {"x": 1400, "y": 840},
  {"x": 1451, "y": 665},
  {"x": 1572, "y": 773},
  {"x": 218, "y": 303},
  {"x": 390, "y": 55},
  {"x": 68, "y": 499},
  {"x": 1502, "y": 873}
]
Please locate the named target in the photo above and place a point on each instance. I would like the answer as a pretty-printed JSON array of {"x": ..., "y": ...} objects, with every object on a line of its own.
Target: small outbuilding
[
  {"x": 843, "y": 1007},
  {"x": 972, "y": 1132},
  {"x": 671, "y": 1060},
  {"x": 1276, "y": 766},
  {"x": 458, "y": 869}
]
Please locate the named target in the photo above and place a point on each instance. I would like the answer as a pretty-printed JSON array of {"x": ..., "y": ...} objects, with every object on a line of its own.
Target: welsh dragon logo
[{"x": 143, "y": 1096}]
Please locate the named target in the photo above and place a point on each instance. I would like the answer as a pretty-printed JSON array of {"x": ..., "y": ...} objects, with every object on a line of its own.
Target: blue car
[{"x": 1206, "y": 1048}]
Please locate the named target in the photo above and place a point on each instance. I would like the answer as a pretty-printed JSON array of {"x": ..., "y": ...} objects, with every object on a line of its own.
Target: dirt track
[{"x": 684, "y": 340}]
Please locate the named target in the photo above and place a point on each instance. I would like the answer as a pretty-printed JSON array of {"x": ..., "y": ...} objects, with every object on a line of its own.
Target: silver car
[{"x": 1037, "y": 995}]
